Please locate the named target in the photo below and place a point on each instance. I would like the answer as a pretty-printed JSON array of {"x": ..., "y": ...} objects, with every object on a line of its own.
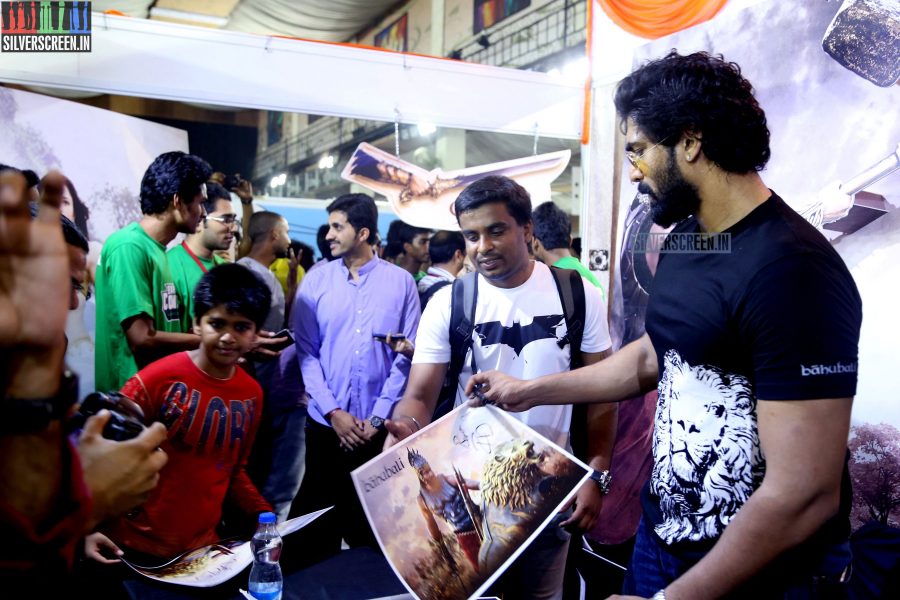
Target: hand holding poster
[
  {"x": 454, "y": 504},
  {"x": 216, "y": 563}
]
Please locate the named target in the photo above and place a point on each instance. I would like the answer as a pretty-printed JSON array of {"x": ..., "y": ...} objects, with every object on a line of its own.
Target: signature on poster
[{"x": 478, "y": 438}]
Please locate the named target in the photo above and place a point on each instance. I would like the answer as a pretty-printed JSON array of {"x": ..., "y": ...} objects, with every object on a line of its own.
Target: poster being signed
[
  {"x": 454, "y": 504},
  {"x": 217, "y": 563}
]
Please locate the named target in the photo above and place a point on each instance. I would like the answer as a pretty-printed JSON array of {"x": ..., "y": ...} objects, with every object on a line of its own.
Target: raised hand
[{"x": 34, "y": 286}]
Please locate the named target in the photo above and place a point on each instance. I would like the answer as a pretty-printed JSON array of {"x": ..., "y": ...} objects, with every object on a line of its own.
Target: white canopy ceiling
[
  {"x": 325, "y": 20},
  {"x": 154, "y": 59}
]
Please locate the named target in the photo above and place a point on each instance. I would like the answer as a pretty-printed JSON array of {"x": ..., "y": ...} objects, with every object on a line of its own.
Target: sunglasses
[{"x": 637, "y": 158}]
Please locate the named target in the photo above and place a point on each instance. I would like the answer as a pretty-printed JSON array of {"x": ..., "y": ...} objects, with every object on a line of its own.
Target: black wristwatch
[
  {"x": 603, "y": 480},
  {"x": 376, "y": 422},
  {"x": 31, "y": 415}
]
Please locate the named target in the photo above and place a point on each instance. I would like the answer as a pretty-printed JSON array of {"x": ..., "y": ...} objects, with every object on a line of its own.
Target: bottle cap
[{"x": 267, "y": 517}]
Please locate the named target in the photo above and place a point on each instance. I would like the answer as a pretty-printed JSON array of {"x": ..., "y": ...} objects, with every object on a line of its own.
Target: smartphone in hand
[
  {"x": 282, "y": 345},
  {"x": 382, "y": 337}
]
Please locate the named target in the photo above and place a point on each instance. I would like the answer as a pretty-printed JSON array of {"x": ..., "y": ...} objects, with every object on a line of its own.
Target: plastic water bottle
[{"x": 265, "y": 575}]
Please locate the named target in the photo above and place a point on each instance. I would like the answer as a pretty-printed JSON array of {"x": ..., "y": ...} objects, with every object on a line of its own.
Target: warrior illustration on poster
[{"x": 455, "y": 504}]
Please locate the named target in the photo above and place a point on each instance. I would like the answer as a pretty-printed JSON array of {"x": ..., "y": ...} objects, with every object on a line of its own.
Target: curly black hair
[
  {"x": 169, "y": 174},
  {"x": 703, "y": 94},
  {"x": 552, "y": 226}
]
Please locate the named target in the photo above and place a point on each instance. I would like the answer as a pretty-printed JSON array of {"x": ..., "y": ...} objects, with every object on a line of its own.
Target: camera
[{"x": 126, "y": 417}]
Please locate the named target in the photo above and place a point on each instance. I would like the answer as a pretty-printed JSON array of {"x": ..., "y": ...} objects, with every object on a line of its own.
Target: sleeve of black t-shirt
[{"x": 801, "y": 316}]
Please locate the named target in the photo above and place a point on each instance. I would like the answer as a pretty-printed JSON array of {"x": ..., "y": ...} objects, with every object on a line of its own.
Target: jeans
[
  {"x": 653, "y": 567},
  {"x": 288, "y": 440}
]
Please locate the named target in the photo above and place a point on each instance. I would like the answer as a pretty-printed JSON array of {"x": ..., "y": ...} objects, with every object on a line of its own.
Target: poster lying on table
[
  {"x": 454, "y": 504},
  {"x": 216, "y": 563}
]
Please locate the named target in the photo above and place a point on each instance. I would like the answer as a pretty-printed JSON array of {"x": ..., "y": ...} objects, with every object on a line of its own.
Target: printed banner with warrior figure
[{"x": 454, "y": 505}]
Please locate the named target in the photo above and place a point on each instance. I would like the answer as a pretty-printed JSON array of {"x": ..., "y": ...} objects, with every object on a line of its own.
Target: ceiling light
[
  {"x": 278, "y": 180},
  {"x": 326, "y": 162},
  {"x": 425, "y": 128},
  {"x": 576, "y": 71}
]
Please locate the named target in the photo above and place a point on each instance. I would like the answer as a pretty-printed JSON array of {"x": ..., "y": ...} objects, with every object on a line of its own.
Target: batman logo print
[{"x": 517, "y": 336}]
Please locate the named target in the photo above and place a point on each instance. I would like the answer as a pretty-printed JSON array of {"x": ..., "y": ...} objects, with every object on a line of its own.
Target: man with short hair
[
  {"x": 408, "y": 247},
  {"x": 138, "y": 313},
  {"x": 353, "y": 381},
  {"x": 196, "y": 254},
  {"x": 553, "y": 241},
  {"x": 269, "y": 240},
  {"x": 448, "y": 255},
  {"x": 517, "y": 302},
  {"x": 752, "y": 342},
  {"x": 284, "y": 419}
]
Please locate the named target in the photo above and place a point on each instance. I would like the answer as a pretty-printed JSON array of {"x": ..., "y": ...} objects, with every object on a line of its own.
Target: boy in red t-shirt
[{"x": 212, "y": 410}]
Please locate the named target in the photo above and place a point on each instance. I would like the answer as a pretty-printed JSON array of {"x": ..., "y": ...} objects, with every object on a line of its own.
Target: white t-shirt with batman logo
[{"x": 517, "y": 331}]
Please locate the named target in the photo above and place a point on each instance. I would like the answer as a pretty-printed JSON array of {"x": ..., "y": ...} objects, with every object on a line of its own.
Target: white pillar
[{"x": 437, "y": 27}]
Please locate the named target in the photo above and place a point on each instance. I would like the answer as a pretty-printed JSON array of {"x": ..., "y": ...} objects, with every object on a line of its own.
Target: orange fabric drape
[
  {"x": 588, "y": 82},
  {"x": 657, "y": 18}
]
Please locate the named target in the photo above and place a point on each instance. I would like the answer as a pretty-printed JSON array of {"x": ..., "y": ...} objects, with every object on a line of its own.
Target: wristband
[
  {"x": 32, "y": 415},
  {"x": 327, "y": 416},
  {"x": 411, "y": 418}
]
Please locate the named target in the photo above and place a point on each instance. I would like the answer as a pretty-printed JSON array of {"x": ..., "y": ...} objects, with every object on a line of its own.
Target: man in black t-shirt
[{"x": 752, "y": 333}]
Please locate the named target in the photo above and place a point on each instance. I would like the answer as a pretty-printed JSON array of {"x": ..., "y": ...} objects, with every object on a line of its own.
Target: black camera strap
[{"x": 32, "y": 415}]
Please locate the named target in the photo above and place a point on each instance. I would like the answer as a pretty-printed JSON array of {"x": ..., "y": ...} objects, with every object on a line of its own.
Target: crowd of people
[{"x": 265, "y": 379}]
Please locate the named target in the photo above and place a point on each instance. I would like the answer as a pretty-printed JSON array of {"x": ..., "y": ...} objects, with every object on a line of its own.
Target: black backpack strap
[
  {"x": 571, "y": 295},
  {"x": 463, "y": 296},
  {"x": 570, "y": 286},
  {"x": 462, "y": 321},
  {"x": 430, "y": 292}
]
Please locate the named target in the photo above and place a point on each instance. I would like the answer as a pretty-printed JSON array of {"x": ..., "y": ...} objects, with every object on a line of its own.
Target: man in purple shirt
[{"x": 353, "y": 380}]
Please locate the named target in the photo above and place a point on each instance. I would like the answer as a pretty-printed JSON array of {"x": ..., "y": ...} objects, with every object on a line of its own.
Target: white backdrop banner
[{"x": 104, "y": 154}]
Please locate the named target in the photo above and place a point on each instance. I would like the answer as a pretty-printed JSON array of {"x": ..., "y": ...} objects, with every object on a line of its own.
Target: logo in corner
[
  {"x": 835, "y": 369},
  {"x": 45, "y": 27}
]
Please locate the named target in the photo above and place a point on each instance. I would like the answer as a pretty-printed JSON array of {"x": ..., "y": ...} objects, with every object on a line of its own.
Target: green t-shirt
[
  {"x": 570, "y": 262},
  {"x": 186, "y": 274},
  {"x": 418, "y": 276},
  {"x": 133, "y": 278}
]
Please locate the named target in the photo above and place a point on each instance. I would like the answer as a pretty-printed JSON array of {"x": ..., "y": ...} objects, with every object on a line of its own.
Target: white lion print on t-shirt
[{"x": 706, "y": 453}]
